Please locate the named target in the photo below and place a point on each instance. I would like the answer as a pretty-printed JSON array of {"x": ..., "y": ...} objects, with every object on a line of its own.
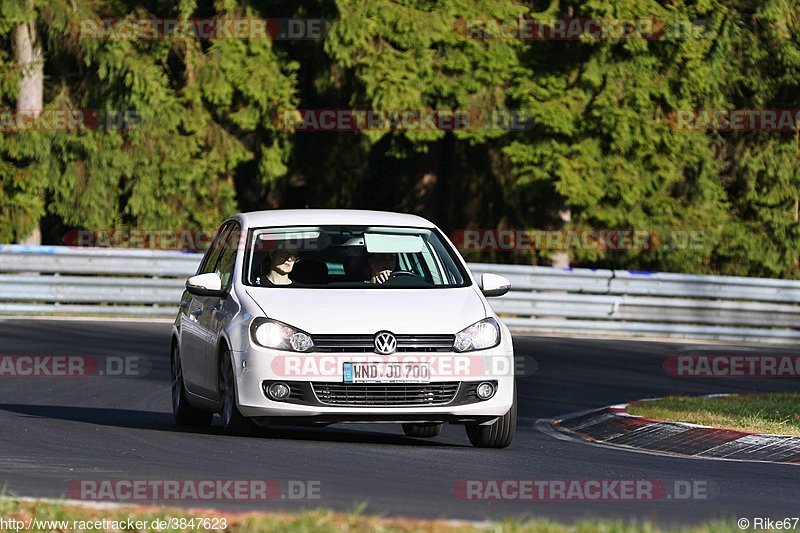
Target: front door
[{"x": 195, "y": 324}]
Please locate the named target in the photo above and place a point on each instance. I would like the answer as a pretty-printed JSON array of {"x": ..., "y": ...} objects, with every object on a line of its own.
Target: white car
[{"x": 326, "y": 316}]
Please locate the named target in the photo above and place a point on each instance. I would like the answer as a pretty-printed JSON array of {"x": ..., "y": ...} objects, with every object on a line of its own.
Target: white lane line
[{"x": 149, "y": 320}]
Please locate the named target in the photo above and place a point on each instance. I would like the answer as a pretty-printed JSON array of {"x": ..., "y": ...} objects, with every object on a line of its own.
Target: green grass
[
  {"x": 323, "y": 521},
  {"x": 777, "y": 413}
]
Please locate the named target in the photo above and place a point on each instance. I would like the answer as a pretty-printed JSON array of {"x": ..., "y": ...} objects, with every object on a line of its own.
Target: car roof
[{"x": 325, "y": 217}]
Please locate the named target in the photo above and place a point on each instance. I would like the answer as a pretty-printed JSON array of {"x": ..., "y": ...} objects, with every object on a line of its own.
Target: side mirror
[
  {"x": 494, "y": 285},
  {"x": 205, "y": 285}
]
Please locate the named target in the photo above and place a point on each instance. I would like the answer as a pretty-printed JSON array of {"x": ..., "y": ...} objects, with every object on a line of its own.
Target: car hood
[{"x": 365, "y": 311}]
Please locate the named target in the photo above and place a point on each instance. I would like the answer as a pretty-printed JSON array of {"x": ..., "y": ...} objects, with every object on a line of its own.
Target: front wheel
[
  {"x": 498, "y": 434},
  {"x": 422, "y": 430},
  {"x": 233, "y": 421},
  {"x": 184, "y": 413}
]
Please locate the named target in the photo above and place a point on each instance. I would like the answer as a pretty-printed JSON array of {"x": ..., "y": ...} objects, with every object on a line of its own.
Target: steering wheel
[{"x": 398, "y": 273}]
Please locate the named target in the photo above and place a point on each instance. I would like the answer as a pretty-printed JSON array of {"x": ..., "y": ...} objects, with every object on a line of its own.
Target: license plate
[{"x": 411, "y": 372}]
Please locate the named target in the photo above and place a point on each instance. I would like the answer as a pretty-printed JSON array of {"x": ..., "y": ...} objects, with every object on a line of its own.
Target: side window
[
  {"x": 209, "y": 262},
  {"x": 227, "y": 259}
]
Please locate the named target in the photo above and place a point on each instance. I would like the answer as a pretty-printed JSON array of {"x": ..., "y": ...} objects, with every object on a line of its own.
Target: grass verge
[
  {"x": 777, "y": 413},
  {"x": 46, "y": 514}
]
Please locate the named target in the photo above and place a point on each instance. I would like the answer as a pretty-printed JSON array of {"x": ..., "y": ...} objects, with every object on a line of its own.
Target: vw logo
[{"x": 385, "y": 343}]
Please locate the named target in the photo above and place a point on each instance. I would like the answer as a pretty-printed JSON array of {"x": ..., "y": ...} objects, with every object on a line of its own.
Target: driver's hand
[{"x": 381, "y": 276}]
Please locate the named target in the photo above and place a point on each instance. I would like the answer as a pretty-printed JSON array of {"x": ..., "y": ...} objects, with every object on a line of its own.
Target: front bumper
[{"x": 257, "y": 365}]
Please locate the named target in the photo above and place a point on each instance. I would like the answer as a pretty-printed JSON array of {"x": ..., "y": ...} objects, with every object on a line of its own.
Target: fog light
[
  {"x": 278, "y": 391},
  {"x": 485, "y": 390}
]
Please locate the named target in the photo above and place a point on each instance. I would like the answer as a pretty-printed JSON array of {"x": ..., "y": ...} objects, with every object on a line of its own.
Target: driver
[{"x": 381, "y": 266}]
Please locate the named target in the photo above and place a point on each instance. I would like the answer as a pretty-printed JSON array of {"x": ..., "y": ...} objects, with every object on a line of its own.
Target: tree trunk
[
  {"x": 30, "y": 59},
  {"x": 561, "y": 259}
]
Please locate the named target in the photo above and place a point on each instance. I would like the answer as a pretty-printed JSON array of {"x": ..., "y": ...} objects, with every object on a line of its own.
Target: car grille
[
  {"x": 375, "y": 395},
  {"x": 366, "y": 343}
]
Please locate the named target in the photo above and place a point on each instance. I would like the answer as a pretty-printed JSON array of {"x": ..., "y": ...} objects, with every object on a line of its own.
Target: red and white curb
[{"x": 614, "y": 426}]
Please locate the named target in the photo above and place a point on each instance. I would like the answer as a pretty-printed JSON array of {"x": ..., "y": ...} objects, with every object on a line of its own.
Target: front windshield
[{"x": 350, "y": 257}]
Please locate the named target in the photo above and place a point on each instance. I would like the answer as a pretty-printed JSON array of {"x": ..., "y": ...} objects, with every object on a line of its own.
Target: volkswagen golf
[{"x": 316, "y": 317}]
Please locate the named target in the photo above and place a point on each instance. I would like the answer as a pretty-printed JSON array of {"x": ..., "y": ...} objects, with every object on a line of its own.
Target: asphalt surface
[{"x": 53, "y": 430}]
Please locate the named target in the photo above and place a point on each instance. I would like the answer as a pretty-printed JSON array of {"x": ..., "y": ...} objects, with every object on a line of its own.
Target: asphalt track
[{"x": 53, "y": 430}]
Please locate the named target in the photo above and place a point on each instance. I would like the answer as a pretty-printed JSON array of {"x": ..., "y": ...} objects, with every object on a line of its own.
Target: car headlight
[
  {"x": 279, "y": 336},
  {"x": 479, "y": 336}
]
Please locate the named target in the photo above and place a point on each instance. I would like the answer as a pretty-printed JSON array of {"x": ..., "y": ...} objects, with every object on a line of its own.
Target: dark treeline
[{"x": 184, "y": 131}]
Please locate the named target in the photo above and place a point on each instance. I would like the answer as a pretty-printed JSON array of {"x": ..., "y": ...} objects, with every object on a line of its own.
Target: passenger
[{"x": 381, "y": 266}]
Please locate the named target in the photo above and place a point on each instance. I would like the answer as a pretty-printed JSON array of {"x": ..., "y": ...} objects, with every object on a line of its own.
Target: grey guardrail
[
  {"x": 59, "y": 280},
  {"x": 632, "y": 303}
]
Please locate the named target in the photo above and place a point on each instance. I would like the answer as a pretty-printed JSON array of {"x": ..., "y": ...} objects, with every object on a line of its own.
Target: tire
[
  {"x": 233, "y": 421},
  {"x": 496, "y": 435},
  {"x": 422, "y": 430},
  {"x": 184, "y": 413}
]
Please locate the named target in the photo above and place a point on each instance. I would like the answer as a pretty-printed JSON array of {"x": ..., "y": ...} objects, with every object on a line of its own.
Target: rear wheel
[
  {"x": 185, "y": 414},
  {"x": 233, "y": 421},
  {"x": 498, "y": 434},
  {"x": 422, "y": 430}
]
